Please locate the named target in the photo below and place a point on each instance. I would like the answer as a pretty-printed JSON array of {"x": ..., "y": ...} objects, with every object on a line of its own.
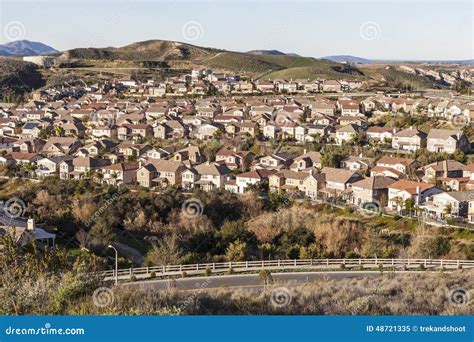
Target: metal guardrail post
[
  {"x": 247, "y": 265},
  {"x": 213, "y": 266},
  {"x": 279, "y": 262},
  {"x": 393, "y": 262},
  {"x": 294, "y": 262},
  {"x": 181, "y": 268},
  {"x": 327, "y": 262}
]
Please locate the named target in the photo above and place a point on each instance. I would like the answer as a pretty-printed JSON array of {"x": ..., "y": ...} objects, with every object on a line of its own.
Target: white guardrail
[{"x": 281, "y": 265}]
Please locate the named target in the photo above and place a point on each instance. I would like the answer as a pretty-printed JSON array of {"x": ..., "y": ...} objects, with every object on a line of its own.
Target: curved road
[{"x": 247, "y": 280}]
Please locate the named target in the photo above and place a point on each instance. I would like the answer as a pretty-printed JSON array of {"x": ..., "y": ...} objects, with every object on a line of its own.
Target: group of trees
[{"x": 221, "y": 227}]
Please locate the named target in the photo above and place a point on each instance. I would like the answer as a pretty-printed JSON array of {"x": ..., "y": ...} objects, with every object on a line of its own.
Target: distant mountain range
[
  {"x": 25, "y": 48},
  {"x": 272, "y": 53},
  {"x": 360, "y": 60}
]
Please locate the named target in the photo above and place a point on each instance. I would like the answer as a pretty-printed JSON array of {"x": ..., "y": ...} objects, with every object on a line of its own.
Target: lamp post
[{"x": 116, "y": 263}]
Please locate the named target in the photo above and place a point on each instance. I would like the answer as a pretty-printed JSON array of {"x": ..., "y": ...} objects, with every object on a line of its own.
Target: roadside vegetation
[{"x": 171, "y": 227}]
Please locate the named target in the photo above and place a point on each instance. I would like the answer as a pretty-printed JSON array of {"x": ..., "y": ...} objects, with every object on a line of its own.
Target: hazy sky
[{"x": 375, "y": 29}]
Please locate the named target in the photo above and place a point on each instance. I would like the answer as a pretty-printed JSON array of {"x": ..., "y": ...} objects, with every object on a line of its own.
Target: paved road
[{"x": 246, "y": 280}]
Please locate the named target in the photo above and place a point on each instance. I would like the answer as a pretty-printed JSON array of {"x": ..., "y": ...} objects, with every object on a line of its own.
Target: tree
[
  {"x": 459, "y": 156},
  {"x": 265, "y": 277},
  {"x": 313, "y": 251},
  {"x": 330, "y": 159},
  {"x": 398, "y": 202},
  {"x": 435, "y": 247},
  {"x": 237, "y": 251},
  {"x": 102, "y": 231},
  {"x": 166, "y": 252},
  {"x": 448, "y": 209},
  {"x": 409, "y": 204}
]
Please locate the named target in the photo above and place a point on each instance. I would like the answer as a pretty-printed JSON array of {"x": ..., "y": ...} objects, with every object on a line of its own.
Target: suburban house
[
  {"x": 80, "y": 167},
  {"x": 307, "y": 161},
  {"x": 393, "y": 167},
  {"x": 410, "y": 139},
  {"x": 354, "y": 163},
  {"x": 57, "y": 146},
  {"x": 120, "y": 173},
  {"x": 160, "y": 172},
  {"x": 245, "y": 179},
  {"x": 442, "y": 169},
  {"x": 371, "y": 189},
  {"x": 206, "y": 176},
  {"x": 444, "y": 140},
  {"x": 449, "y": 204},
  {"x": 338, "y": 181},
  {"x": 233, "y": 158},
  {"x": 275, "y": 161},
  {"x": 380, "y": 134},
  {"x": 404, "y": 189},
  {"x": 347, "y": 133}
]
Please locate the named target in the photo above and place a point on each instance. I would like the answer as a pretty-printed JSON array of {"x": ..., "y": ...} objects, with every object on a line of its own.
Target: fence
[{"x": 282, "y": 265}]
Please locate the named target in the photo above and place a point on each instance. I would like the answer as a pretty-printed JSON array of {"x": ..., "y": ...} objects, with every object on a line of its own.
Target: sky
[{"x": 384, "y": 29}]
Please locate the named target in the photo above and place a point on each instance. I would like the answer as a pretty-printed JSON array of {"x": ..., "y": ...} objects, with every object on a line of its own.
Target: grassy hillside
[
  {"x": 399, "y": 79},
  {"x": 313, "y": 73},
  {"x": 186, "y": 56},
  {"x": 18, "y": 77},
  {"x": 151, "y": 50}
]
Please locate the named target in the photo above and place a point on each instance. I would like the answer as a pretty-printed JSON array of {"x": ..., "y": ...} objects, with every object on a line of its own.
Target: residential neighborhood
[{"x": 153, "y": 142}]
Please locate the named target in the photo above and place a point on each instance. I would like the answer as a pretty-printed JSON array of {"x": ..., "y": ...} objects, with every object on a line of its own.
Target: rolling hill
[
  {"x": 155, "y": 58},
  {"x": 187, "y": 56}
]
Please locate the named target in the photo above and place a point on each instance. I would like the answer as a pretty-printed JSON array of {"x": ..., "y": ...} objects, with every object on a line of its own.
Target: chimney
[
  {"x": 417, "y": 190},
  {"x": 30, "y": 225},
  {"x": 445, "y": 168}
]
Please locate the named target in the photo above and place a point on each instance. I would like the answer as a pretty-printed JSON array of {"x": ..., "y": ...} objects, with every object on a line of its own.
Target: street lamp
[{"x": 116, "y": 263}]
